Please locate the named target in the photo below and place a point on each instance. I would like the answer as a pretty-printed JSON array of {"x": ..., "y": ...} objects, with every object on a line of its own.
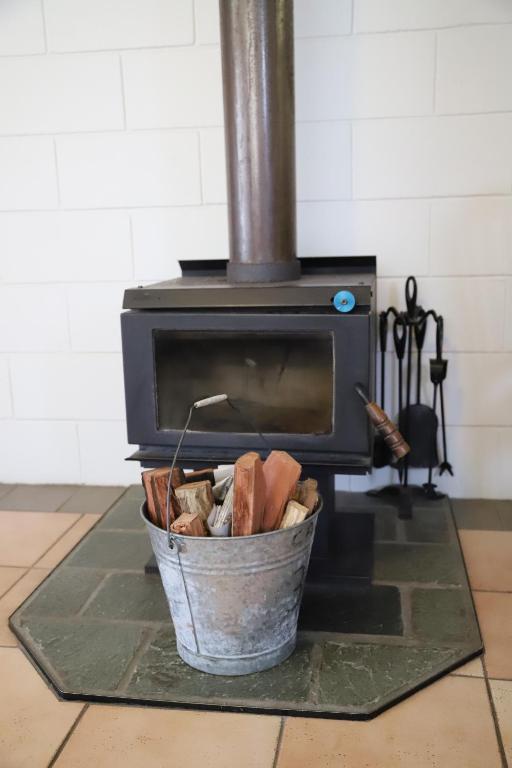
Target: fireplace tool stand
[{"x": 417, "y": 421}]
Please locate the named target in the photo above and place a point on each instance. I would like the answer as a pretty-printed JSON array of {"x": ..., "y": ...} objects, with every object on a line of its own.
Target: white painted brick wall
[{"x": 112, "y": 168}]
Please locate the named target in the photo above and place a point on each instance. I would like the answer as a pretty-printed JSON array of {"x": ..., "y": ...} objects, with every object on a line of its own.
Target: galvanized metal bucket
[{"x": 234, "y": 601}]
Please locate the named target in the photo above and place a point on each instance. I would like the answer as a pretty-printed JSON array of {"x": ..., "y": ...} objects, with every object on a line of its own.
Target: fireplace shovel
[{"x": 418, "y": 422}]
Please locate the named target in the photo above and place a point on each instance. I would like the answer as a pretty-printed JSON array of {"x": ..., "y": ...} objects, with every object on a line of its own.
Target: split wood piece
[
  {"x": 196, "y": 498},
  {"x": 281, "y": 473},
  {"x": 200, "y": 474},
  {"x": 188, "y": 525},
  {"x": 248, "y": 495},
  {"x": 306, "y": 493},
  {"x": 159, "y": 484},
  {"x": 150, "y": 500},
  {"x": 294, "y": 513}
]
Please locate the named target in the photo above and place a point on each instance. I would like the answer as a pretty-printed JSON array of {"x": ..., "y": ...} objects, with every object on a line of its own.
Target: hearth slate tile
[
  {"x": 505, "y": 514},
  {"x": 374, "y": 610},
  {"x": 434, "y": 563},
  {"x": 161, "y": 674},
  {"x": 443, "y": 616},
  {"x": 92, "y": 499},
  {"x": 37, "y": 498},
  {"x": 130, "y": 596},
  {"x": 87, "y": 655},
  {"x": 136, "y": 492},
  {"x": 476, "y": 514},
  {"x": 112, "y": 550},
  {"x": 364, "y": 675},
  {"x": 427, "y": 525},
  {"x": 5, "y": 488},
  {"x": 65, "y": 593},
  {"x": 385, "y": 524},
  {"x": 124, "y": 515}
]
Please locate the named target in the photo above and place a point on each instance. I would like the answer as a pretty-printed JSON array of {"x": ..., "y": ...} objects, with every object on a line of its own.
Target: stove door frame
[{"x": 347, "y": 447}]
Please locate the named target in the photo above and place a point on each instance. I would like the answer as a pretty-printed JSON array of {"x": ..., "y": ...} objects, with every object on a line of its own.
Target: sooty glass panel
[{"x": 282, "y": 382}]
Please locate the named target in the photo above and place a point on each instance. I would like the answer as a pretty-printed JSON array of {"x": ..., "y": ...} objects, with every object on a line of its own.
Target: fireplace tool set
[{"x": 417, "y": 420}]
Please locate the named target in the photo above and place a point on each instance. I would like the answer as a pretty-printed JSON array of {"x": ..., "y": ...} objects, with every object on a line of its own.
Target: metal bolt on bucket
[{"x": 234, "y": 601}]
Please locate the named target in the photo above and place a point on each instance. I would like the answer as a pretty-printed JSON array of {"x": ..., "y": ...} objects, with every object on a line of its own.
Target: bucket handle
[{"x": 172, "y": 541}]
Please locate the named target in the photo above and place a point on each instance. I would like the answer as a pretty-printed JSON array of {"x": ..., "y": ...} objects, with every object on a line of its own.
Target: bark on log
[
  {"x": 281, "y": 473},
  {"x": 197, "y": 475},
  {"x": 248, "y": 495},
  {"x": 150, "y": 500},
  {"x": 306, "y": 493},
  {"x": 159, "y": 483},
  {"x": 189, "y": 525},
  {"x": 196, "y": 498}
]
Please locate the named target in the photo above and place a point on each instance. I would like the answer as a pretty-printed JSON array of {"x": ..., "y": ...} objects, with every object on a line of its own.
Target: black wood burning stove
[
  {"x": 285, "y": 355},
  {"x": 286, "y": 338},
  {"x": 282, "y": 351}
]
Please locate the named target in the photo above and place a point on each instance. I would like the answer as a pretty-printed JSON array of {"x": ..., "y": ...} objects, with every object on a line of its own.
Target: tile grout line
[
  {"x": 93, "y": 595},
  {"x": 494, "y": 716},
  {"x": 34, "y": 565},
  {"x": 279, "y": 742},
  {"x": 25, "y": 571},
  {"x": 147, "y": 636},
  {"x": 67, "y": 737}
]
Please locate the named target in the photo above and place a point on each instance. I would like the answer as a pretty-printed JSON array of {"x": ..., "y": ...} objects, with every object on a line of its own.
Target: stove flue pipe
[{"x": 257, "y": 68}]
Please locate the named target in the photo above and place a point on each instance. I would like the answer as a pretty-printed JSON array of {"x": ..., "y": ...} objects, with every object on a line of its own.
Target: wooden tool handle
[{"x": 383, "y": 424}]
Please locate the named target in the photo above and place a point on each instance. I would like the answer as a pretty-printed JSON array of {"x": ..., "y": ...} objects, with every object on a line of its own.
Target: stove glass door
[{"x": 282, "y": 381}]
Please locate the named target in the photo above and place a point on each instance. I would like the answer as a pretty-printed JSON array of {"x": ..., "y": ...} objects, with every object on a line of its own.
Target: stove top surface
[{"x": 204, "y": 284}]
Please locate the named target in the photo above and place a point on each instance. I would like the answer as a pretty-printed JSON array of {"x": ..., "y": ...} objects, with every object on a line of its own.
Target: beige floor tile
[
  {"x": 67, "y": 542},
  {"x": 13, "y": 598},
  {"x": 447, "y": 725},
  {"x": 502, "y": 697},
  {"x": 33, "y": 721},
  {"x": 25, "y": 536},
  {"x": 495, "y": 616},
  {"x": 473, "y": 668},
  {"x": 8, "y": 576},
  {"x": 488, "y": 556},
  {"x": 155, "y": 738}
]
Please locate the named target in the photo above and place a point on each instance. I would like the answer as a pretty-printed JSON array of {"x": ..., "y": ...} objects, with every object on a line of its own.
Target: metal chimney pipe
[{"x": 257, "y": 68}]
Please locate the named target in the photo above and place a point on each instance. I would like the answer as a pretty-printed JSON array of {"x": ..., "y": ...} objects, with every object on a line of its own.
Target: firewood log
[
  {"x": 306, "y": 493},
  {"x": 248, "y": 495},
  {"x": 189, "y": 525},
  {"x": 150, "y": 500},
  {"x": 196, "y": 498},
  {"x": 281, "y": 473},
  {"x": 294, "y": 513},
  {"x": 200, "y": 474},
  {"x": 159, "y": 484}
]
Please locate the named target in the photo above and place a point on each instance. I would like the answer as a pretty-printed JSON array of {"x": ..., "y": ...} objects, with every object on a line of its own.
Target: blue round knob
[{"x": 344, "y": 301}]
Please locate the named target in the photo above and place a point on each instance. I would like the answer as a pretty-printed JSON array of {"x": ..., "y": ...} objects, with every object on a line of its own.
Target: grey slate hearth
[{"x": 99, "y": 628}]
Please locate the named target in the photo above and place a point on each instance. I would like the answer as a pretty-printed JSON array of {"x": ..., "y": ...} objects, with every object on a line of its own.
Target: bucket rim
[{"x": 181, "y": 537}]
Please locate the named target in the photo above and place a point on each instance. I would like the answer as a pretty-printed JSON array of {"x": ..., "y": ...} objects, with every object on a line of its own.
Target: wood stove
[{"x": 284, "y": 354}]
